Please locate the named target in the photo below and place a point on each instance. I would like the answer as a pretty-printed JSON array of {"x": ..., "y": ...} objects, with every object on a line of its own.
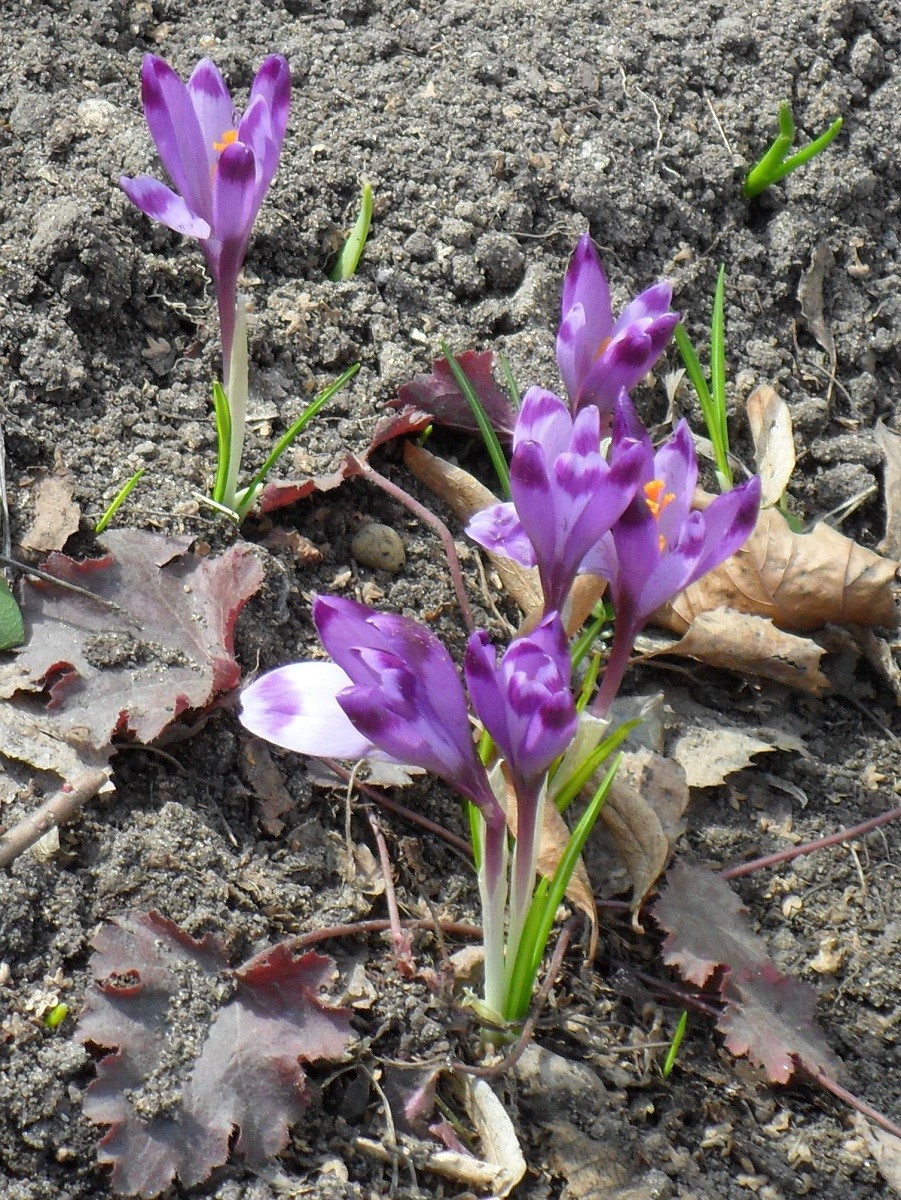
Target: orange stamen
[
  {"x": 602, "y": 347},
  {"x": 655, "y": 497},
  {"x": 228, "y": 138}
]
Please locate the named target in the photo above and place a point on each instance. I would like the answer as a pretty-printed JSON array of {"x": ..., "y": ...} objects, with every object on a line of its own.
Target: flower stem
[{"x": 616, "y": 667}]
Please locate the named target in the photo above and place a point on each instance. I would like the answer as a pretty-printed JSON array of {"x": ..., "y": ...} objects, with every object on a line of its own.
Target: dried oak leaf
[
  {"x": 156, "y": 641},
  {"x": 768, "y": 1016},
  {"x": 200, "y": 1051},
  {"x": 438, "y": 394},
  {"x": 801, "y": 581}
]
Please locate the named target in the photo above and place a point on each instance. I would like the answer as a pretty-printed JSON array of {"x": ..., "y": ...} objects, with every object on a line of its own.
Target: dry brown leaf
[
  {"x": 886, "y": 1150},
  {"x": 774, "y": 446},
  {"x": 638, "y": 838},
  {"x": 810, "y": 296},
  {"x": 56, "y": 515},
  {"x": 890, "y": 445},
  {"x": 800, "y": 581},
  {"x": 710, "y": 747},
  {"x": 749, "y": 645},
  {"x": 264, "y": 779}
]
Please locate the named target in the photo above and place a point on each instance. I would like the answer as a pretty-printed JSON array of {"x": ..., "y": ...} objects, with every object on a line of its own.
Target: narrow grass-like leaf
[
  {"x": 12, "y": 627},
  {"x": 486, "y": 429},
  {"x": 601, "y": 752},
  {"x": 670, "y": 1060},
  {"x": 589, "y": 635},
  {"x": 119, "y": 499},
  {"x": 246, "y": 497},
  {"x": 712, "y": 419},
  {"x": 543, "y": 909},
  {"x": 512, "y": 386},
  {"x": 352, "y": 250},
  {"x": 586, "y": 691},
  {"x": 718, "y": 375},
  {"x": 223, "y": 418}
]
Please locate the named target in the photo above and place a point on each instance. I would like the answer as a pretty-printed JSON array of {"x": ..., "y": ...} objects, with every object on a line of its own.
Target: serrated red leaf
[
  {"x": 768, "y": 1016},
  {"x": 199, "y": 1050},
  {"x": 438, "y": 394},
  {"x": 158, "y": 643}
]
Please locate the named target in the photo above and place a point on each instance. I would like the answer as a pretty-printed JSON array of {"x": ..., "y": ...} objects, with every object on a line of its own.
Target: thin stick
[
  {"x": 400, "y": 810},
  {"x": 426, "y": 515},
  {"x": 46, "y": 577},
  {"x": 61, "y": 806},
  {"x": 834, "y": 839},
  {"x": 379, "y": 925},
  {"x": 403, "y": 947},
  {"x": 6, "y": 542},
  {"x": 827, "y": 1082}
]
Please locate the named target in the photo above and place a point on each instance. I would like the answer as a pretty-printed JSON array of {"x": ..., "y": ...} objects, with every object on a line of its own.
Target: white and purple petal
[
  {"x": 297, "y": 707},
  {"x": 499, "y": 530}
]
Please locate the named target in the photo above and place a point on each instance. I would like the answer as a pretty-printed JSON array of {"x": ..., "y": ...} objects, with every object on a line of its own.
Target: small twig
[
  {"x": 5, "y": 530},
  {"x": 428, "y": 517},
  {"x": 834, "y": 839},
  {"x": 400, "y": 810},
  {"x": 46, "y": 577},
  {"x": 379, "y": 925},
  {"x": 716, "y": 121},
  {"x": 509, "y": 1061},
  {"x": 827, "y": 1082},
  {"x": 403, "y": 947},
  {"x": 60, "y": 807},
  {"x": 685, "y": 998}
]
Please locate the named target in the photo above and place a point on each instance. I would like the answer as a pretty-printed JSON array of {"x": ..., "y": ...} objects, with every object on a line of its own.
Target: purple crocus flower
[
  {"x": 524, "y": 700},
  {"x": 221, "y": 164},
  {"x": 659, "y": 545},
  {"x": 565, "y": 494},
  {"x": 392, "y": 685},
  {"x": 598, "y": 356}
]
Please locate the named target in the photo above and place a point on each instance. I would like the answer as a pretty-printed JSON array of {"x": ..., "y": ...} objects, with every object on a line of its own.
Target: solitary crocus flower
[
  {"x": 565, "y": 494},
  {"x": 598, "y": 356},
  {"x": 221, "y": 164},
  {"x": 659, "y": 545}
]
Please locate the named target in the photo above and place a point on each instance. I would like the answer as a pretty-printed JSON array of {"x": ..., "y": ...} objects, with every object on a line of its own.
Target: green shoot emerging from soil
[
  {"x": 352, "y": 250},
  {"x": 776, "y": 164},
  {"x": 119, "y": 499}
]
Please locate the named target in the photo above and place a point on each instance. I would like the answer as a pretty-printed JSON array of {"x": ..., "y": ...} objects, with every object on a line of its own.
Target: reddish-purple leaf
[
  {"x": 158, "y": 642},
  {"x": 768, "y": 1016},
  {"x": 439, "y": 394},
  {"x": 200, "y": 1051},
  {"x": 281, "y": 492}
]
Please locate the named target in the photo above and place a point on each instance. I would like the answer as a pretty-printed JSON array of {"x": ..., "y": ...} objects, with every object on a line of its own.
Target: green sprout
[
  {"x": 352, "y": 250},
  {"x": 56, "y": 1016},
  {"x": 670, "y": 1061},
  {"x": 775, "y": 165},
  {"x": 238, "y": 504},
  {"x": 119, "y": 499},
  {"x": 490, "y": 438},
  {"x": 712, "y": 396}
]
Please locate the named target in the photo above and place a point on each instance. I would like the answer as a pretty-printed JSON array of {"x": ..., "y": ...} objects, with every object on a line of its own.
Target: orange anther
[
  {"x": 228, "y": 138},
  {"x": 655, "y": 498}
]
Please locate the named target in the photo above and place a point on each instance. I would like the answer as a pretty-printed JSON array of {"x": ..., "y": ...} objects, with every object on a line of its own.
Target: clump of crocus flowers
[
  {"x": 582, "y": 502},
  {"x": 222, "y": 164}
]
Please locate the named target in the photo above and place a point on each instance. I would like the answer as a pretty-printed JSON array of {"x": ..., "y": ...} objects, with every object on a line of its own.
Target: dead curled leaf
[
  {"x": 737, "y": 641},
  {"x": 643, "y": 817},
  {"x": 890, "y": 445},
  {"x": 801, "y": 582},
  {"x": 56, "y": 515},
  {"x": 774, "y": 447}
]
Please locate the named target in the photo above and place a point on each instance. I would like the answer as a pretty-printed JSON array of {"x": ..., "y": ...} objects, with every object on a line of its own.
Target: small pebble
[{"x": 379, "y": 547}]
